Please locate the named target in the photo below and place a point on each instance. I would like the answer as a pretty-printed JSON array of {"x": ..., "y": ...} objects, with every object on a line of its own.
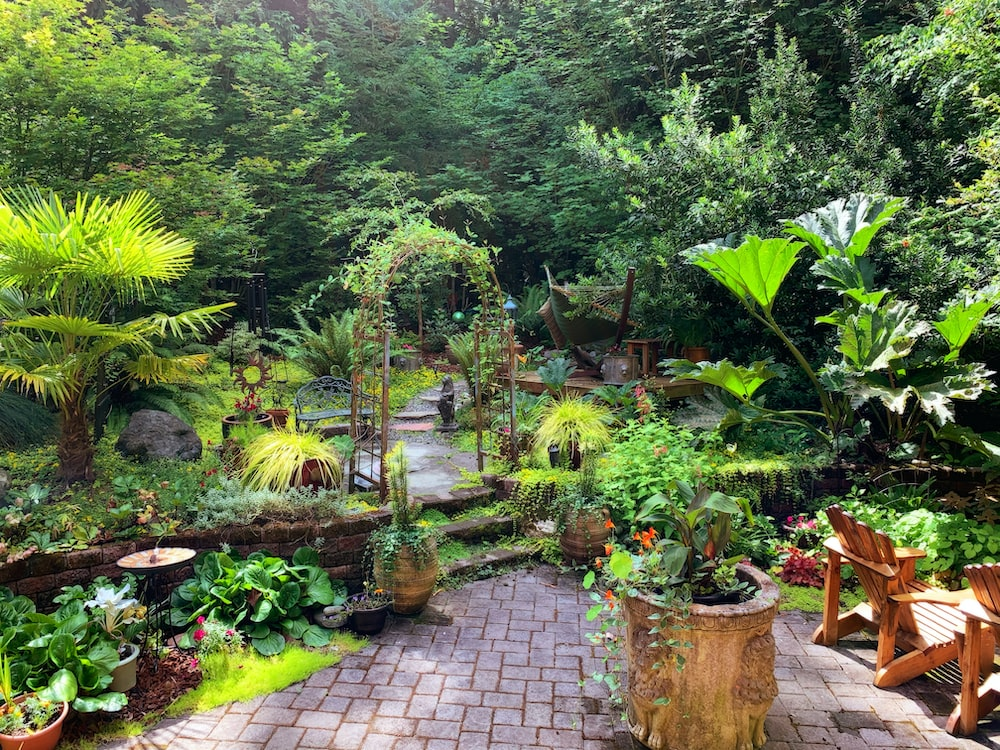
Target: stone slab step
[
  {"x": 470, "y": 565},
  {"x": 412, "y": 426},
  {"x": 427, "y": 414},
  {"x": 479, "y": 528}
]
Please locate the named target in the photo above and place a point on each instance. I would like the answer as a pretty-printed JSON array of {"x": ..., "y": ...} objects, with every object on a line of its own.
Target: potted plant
[
  {"x": 283, "y": 458},
  {"x": 123, "y": 620},
  {"x": 64, "y": 656},
  {"x": 367, "y": 610},
  {"x": 584, "y": 521},
  {"x": 250, "y": 378},
  {"x": 569, "y": 427},
  {"x": 404, "y": 552},
  {"x": 28, "y": 721},
  {"x": 699, "y": 674}
]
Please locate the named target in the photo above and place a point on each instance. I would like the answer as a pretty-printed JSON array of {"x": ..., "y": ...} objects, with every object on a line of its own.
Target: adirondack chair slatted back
[
  {"x": 984, "y": 580},
  {"x": 876, "y": 547}
]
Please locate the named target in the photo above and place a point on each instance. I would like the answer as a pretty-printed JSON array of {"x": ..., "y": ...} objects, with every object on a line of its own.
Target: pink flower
[
  {"x": 230, "y": 633},
  {"x": 200, "y": 620},
  {"x": 199, "y": 634},
  {"x": 194, "y": 662}
]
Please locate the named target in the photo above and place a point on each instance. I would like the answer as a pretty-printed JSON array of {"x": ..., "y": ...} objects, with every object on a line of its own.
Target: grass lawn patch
[{"x": 240, "y": 676}]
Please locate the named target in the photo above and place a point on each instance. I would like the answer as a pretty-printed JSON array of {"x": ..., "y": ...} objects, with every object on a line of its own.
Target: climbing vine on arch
[{"x": 371, "y": 277}]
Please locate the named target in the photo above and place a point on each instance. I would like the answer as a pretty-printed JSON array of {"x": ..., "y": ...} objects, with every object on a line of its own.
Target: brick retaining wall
[{"x": 42, "y": 576}]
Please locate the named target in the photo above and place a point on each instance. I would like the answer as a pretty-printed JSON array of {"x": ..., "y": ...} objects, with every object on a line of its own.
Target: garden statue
[{"x": 446, "y": 406}]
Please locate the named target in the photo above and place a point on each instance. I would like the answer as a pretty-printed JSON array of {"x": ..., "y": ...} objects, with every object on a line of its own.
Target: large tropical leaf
[
  {"x": 845, "y": 226},
  {"x": 872, "y": 338},
  {"x": 754, "y": 271},
  {"x": 742, "y": 382},
  {"x": 961, "y": 317}
]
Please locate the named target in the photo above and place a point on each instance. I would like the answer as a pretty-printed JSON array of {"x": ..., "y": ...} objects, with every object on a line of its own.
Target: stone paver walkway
[{"x": 498, "y": 665}]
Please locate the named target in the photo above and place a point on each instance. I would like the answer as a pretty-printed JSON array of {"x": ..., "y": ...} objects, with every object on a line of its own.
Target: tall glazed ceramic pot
[
  {"x": 411, "y": 578},
  {"x": 721, "y": 696},
  {"x": 584, "y": 535}
]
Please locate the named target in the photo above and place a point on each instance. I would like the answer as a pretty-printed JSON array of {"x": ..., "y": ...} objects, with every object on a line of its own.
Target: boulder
[{"x": 158, "y": 434}]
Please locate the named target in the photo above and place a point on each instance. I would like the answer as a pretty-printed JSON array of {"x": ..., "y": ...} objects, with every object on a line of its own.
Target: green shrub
[
  {"x": 647, "y": 456},
  {"x": 951, "y": 540},
  {"x": 328, "y": 352},
  {"x": 231, "y": 503}
]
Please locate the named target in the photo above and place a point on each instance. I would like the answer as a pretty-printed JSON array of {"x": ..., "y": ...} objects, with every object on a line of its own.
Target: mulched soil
[{"x": 158, "y": 684}]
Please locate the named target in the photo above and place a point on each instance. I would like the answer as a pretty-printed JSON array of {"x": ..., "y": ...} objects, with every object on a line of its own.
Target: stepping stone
[
  {"x": 416, "y": 414},
  {"x": 413, "y": 426}
]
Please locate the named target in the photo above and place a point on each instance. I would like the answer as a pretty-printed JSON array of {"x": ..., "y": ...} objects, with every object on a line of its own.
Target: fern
[{"x": 329, "y": 352}]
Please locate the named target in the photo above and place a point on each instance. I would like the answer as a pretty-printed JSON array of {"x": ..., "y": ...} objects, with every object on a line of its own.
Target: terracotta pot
[
  {"x": 124, "y": 676},
  {"x": 46, "y": 739},
  {"x": 279, "y": 417},
  {"x": 313, "y": 476},
  {"x": 410, "y": 584},
  {"x": 584, "y": 536},
  {"x": 233, "y": 420},
  {"x": 720, "y": 697},
  {"x": 368, "y": 621},
  {"x": 695, "y": 353}
]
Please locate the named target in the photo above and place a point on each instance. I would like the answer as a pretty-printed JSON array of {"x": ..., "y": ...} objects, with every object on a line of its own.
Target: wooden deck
[{"x": 580, "y": 386}]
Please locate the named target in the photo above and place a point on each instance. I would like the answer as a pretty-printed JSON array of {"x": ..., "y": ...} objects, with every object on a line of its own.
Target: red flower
[
  {"x": 199, "y": 634},
  {"x": 201, "y": 619}
]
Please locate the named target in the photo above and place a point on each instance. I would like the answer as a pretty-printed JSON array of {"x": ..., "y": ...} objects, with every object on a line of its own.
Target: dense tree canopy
[{"x": 585, "y": 135}]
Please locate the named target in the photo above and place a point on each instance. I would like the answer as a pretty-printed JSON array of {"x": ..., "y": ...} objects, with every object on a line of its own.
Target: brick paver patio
[{"x": 498, "y": 665}]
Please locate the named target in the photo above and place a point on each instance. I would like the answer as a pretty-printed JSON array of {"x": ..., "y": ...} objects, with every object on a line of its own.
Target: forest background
[{"x": 286, "y": 136}]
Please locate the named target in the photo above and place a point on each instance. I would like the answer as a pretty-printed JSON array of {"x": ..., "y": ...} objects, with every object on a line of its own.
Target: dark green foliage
[
  {"x": 327, "y": 352},
  {"x": 23, "y": 422}
]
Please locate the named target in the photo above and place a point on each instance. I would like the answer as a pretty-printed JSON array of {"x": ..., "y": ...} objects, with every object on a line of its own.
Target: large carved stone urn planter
[{"x": 719, "y": 699}]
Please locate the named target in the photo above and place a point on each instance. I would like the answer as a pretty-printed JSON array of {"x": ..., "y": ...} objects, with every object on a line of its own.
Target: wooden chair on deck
[
  {"x": 975, "y": 700},
  {"x": 920, "y": 620}
]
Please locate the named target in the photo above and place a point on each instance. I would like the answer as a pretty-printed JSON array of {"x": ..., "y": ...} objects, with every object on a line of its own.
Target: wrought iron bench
[{"x": 329, "y": 398}]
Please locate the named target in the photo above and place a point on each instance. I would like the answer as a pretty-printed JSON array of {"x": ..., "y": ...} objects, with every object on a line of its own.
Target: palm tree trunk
[{"x": 75, "y": 449}]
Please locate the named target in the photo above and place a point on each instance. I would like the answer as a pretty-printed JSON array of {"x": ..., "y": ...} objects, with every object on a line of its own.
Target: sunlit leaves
[{"x": 753, "y": 271}]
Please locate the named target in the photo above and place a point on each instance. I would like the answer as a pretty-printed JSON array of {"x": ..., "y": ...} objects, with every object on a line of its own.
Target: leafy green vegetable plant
[{"x": 265, "y": 597}]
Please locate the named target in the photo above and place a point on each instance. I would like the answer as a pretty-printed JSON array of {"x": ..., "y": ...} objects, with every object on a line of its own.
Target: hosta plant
[{"x": 267, "y": 598}]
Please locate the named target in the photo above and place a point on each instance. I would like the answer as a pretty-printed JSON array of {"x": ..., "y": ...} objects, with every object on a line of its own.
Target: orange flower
[
  {"x": 598, "y": 563},
  {"x": 607, "y": 549},
  {"x": 609, "y": 524},
  {"x": 609, "y": 597},
  {"x": 645, "y": 538},
  {"x": 659, "y": 450}
]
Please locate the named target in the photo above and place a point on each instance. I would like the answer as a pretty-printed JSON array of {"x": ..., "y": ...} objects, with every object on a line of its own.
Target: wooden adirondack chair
[
  {"x": 920, "y": 620},
  {"x": 975, "y": 700}
]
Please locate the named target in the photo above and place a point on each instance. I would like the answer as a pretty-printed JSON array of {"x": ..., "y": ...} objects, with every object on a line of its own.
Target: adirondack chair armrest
[
  {"x": 906, "y": 556},
  {"x": 973, "y": 609},
  {"x": 934, "y": 596}
]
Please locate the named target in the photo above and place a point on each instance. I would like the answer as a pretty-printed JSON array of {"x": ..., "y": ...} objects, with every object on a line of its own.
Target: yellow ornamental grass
[
  {"x": 572, "y": 423},
  {"x": 276, "y": 460}
]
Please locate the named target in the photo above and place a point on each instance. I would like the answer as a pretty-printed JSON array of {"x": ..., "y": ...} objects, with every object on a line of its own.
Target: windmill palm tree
[{"x": 66, "y": 275}]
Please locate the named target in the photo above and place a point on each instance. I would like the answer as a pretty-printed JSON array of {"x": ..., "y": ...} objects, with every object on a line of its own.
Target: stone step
[
  {"x": 479, "y": 528},
  {"x": 425, "y": 414},
  {"x": 472, "y": 565}
]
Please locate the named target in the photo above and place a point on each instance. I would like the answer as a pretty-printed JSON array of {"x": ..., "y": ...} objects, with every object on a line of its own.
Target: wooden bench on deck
[{"x": 922, "y": 621}]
